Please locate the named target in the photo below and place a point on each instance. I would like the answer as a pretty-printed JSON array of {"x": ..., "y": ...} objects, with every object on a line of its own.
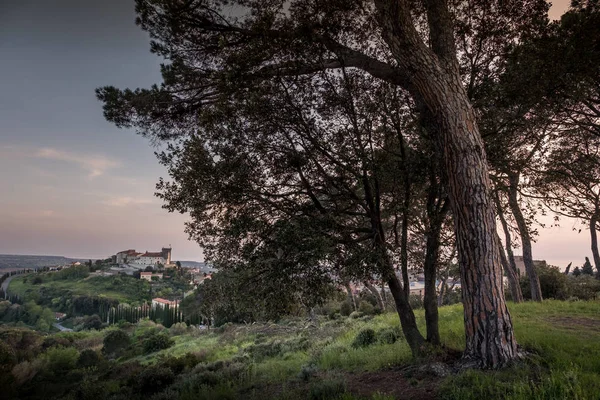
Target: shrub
[
  {"x": 388, "y": 335},
  {"x": 415, "y": 301},
  {"x": 115, "y": 343},
  {"x": 61, "y": 359},
  {"x": 584, "y": 287},
  {"x": 92, "y": 322},
  {"x": 554, "y": 284},
  {"x": 366, "y": 308},
  {"x": 88, "y": 358},
  {"x": 365, "y": 337},
  {"x": 307, "y": 371},
  {"x": 180, "y": 364},
  {"x": 179, "y": 328},
  {"x": 26, "y": 371},
  {"x": 8, "y": 358},
  {"x": 346, "y": 308},
  {"x": 154, "y": 379},
  {"x": 327, "y": 389},
  {"x": 156, "y": 342}
]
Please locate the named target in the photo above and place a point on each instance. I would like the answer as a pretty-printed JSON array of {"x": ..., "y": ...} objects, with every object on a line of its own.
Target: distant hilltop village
[{"x": 137, "y": 260}]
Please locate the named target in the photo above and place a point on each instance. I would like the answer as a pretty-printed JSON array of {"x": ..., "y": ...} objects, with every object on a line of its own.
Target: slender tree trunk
[
  {"x": 513, "y": 202},
  {"x": 407, "y": 317},
  {"x": 430, "y": 298},
  {"x": 408, "y": 321},
  {"x": 351, "y": 298},
  {"x": 594, "y": 237},
  {"x": 404, "y": 248},
  {"x": 376, "y": 294},
  {"x": 512, "y": 265},
  {"x": 436, "y": 212},
  {"x": 513, "y": 279}
]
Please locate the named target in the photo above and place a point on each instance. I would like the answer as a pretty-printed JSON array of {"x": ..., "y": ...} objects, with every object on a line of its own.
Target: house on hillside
[
  {"x": 59, "y": 316},
  {"x": 160, "y": 302},
  {"x": 521, "y": 265},
  {"x": 148, "y": 275}
]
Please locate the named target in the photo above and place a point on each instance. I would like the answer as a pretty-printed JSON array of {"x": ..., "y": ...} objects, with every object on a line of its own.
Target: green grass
[
  {"x": 563, "y": 341},
  {"x": 123, "y": 289}
]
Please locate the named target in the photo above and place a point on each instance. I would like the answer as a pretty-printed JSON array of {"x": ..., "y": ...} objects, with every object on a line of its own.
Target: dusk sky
[{"x": 73, "y": 184}]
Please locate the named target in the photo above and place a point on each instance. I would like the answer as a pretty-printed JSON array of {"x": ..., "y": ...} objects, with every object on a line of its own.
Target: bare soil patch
[
  {"x": 576, "y": 323},
  {"x": 394, "y": 383}
]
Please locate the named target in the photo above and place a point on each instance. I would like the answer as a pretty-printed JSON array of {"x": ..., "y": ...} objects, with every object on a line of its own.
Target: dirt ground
[
  {"x": 576, "y": 323},
  {"x": 394, "y": 383}
]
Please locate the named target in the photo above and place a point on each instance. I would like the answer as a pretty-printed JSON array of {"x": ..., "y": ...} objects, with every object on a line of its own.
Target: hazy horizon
[{"x": 76, "y": 186}]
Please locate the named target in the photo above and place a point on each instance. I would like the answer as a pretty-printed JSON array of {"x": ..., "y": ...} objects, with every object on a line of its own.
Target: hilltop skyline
[{"x": 75, "y": 185}]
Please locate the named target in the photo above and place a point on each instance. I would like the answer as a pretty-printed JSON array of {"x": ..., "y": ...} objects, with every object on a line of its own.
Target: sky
[{"x": 71, "y": 183}]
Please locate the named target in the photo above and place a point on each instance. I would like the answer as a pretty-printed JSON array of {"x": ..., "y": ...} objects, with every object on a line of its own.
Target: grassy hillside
[
  {"x": 125, "y": 289},
  {"x": 290, "y": 360}
]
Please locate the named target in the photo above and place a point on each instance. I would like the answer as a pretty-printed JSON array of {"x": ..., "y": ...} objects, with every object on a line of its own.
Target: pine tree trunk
[
  {"x": 430, "y": 298},
  {"x": 594, "y": 237},
  {"x": 433, "y": 78},
  {"x": 404, "y": 248},
  {"x": 436, "y": 212},
  {"x": 513, "y": 280},
  {"x": 407, "y": 317},
  {"x": 512, "y": 265},
  {"x": 408, "y": 321},
  {"x": 350, "y": 295},
  {"x": 375, "y": 294},
  {"x": 490, "y": 341},
  {"x": 513, "y": 202}
]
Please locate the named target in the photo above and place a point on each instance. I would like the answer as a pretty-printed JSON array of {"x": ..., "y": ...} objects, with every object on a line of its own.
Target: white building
[{"x": 144, "y": 259}]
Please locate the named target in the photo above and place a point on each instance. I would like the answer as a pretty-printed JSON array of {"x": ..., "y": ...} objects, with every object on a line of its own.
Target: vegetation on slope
[{"x": 294, "y": 359}]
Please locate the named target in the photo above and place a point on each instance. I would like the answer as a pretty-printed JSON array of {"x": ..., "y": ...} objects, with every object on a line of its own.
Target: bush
[
  {"x": 388, "y": 335},
  {"x": 327, "y": 389},
  {"x": 92, "y": 322},
  {"x": 61, "y": 359},
  {"x": 307, "y": 371},
  {"x": 88, "y": 358},
  {"x": 26, "y": 371},
  {"x": 346, "y": 308},
  {"x": 115, "y": 343},
  {"x": 554, "y": 284},
  {"x": 154, "y": 379},
  {"x": 583, "y": 287},
  {"x": 365, "y": 337},
  {"x": 156, "y": 342},
  {"x": 179, "y": 328},
  {"x": 366, "y": 308},
  {"x": 8, "y": 358}
]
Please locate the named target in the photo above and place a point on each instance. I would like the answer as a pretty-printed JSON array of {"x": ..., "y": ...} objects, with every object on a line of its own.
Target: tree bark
[
  {"x": 437, "y": 207},
  {"x": 508, "y": 260},
  {"x": 430, "y": 272},
  {"x": 434, "y": 78},
  {"x": 404, "y": 245},
  {"x": 594, "y": 239},
  {"x": 350, "y": 295},
  {"x": 513, "y": 280},
  {"x": 375, "y": 293},
  {"x": 407, "y": 317},
  {"x": 513, "y": 202}
]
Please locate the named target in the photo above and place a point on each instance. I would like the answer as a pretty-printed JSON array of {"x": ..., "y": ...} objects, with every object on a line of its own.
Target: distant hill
[
  {"x": 204, "y": 267},
  {"x": 22, "y": 261}
]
